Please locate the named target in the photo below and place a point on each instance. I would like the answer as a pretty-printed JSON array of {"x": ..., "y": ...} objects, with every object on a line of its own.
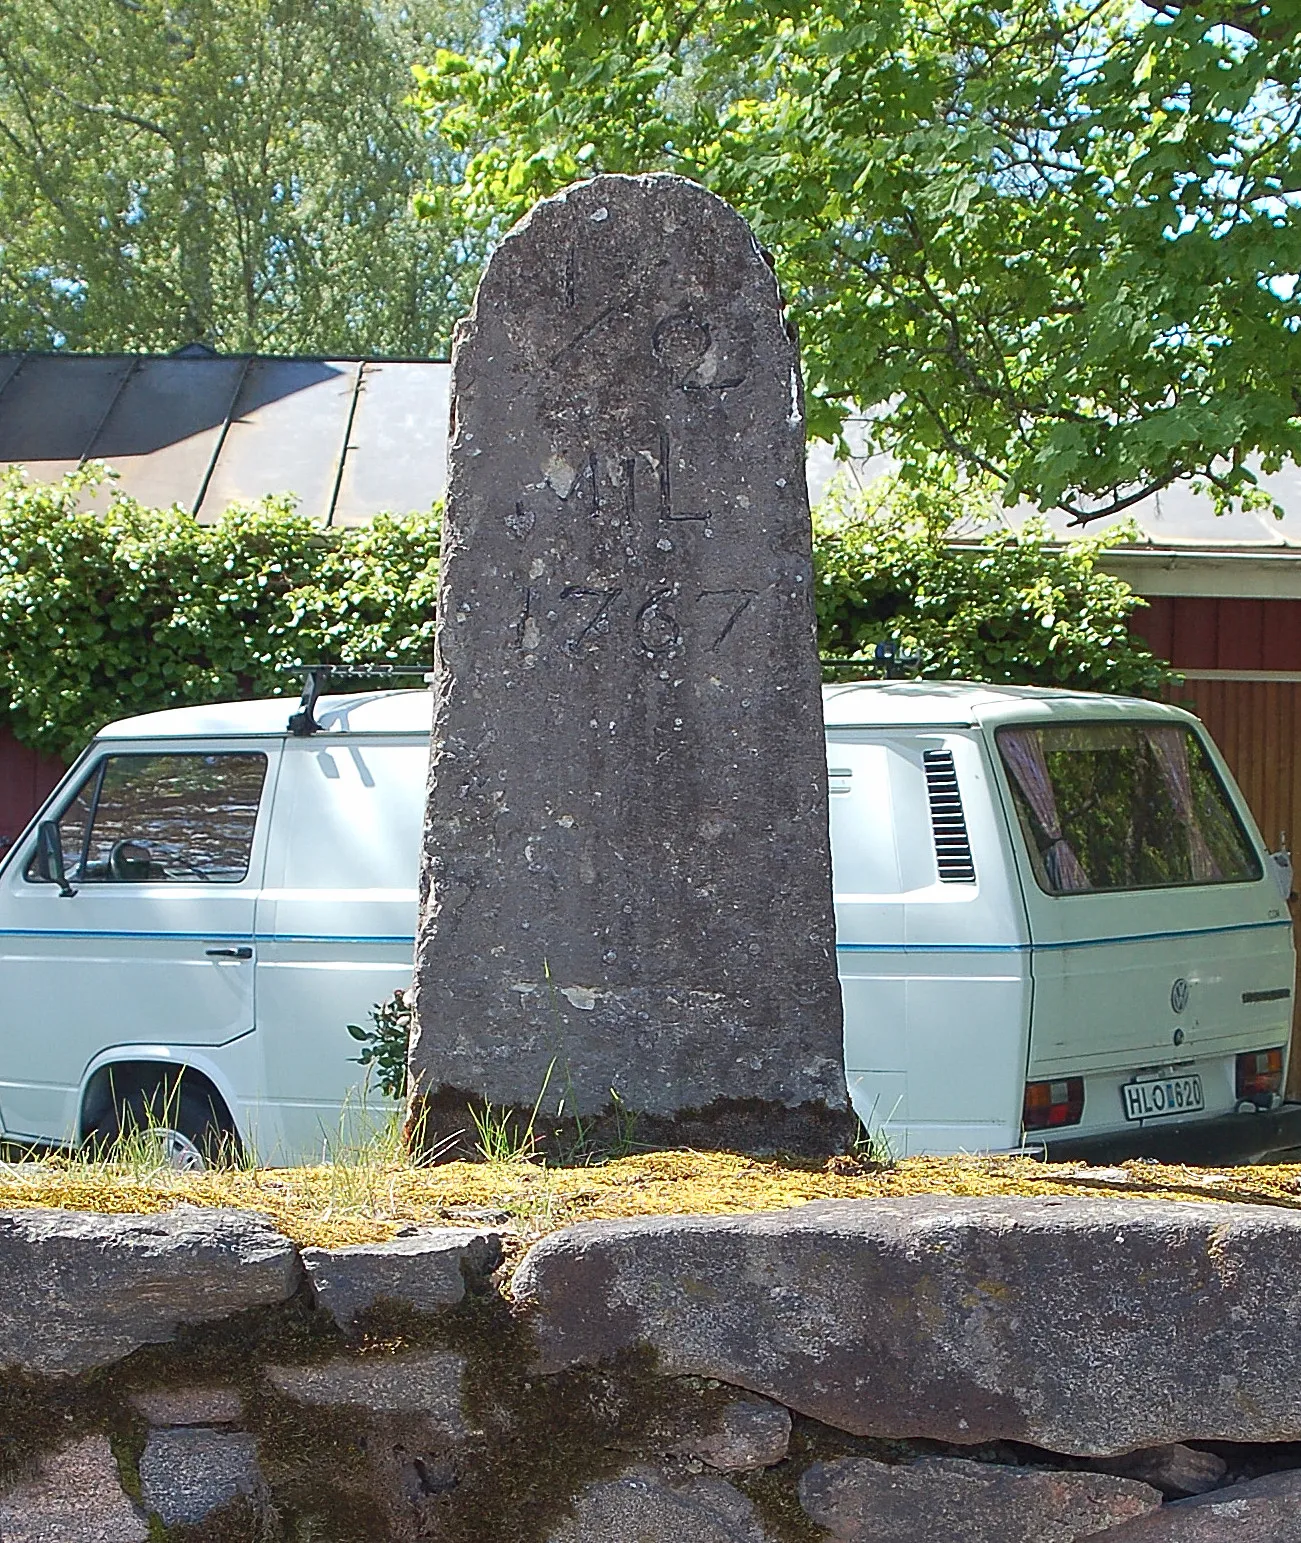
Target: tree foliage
[
  {"x": 232, "y": 171},
  {"x": 976, "y": 600},
  {"x": 1055, "y": 241},
  {"x": 103, "y": 616}
]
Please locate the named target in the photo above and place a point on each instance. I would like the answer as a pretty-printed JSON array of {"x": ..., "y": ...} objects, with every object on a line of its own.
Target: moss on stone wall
[{"x": 536, "y": 1441}]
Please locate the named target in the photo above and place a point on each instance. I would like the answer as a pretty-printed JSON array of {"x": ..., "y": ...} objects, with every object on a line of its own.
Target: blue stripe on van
[
  {"x": 848, "y": 948},
  {"x": 1026, "y": 948},
  {"x": 287, "y": 937},
  {"x": 108, "y": 932}
]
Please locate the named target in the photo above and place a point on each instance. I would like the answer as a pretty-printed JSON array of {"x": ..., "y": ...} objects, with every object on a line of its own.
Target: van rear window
[{"x": 1114, "y": 806}]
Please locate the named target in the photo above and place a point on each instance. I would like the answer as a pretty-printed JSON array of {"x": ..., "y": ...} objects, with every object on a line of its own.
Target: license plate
[{"x": 1166, "y": 1095}]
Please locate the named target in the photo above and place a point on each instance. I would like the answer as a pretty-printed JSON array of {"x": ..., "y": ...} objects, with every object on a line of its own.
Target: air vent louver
[{"x": 952, "y": 845}]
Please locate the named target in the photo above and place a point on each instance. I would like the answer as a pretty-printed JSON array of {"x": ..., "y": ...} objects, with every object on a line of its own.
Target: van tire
[{"x": 193, "y": 1125}]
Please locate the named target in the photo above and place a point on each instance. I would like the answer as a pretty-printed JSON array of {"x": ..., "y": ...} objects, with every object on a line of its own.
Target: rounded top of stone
[
  {"x": 608, "y": 244},
  {"x": 613, "y": 194}
]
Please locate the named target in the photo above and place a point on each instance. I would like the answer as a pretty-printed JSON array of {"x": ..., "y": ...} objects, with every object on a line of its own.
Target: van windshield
[{"x": 1113, "y": 806}]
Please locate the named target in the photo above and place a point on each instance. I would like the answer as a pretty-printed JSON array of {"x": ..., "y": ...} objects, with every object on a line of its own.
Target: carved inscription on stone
[{"x": 626, "y": 878}]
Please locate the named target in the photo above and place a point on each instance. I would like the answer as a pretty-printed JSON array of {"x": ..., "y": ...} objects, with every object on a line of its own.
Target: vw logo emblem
[{"x": 1179, "y": 995}]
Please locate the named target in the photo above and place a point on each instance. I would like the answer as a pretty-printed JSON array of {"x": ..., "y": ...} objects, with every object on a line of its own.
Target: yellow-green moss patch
[{"x": 334, "y": 1204}]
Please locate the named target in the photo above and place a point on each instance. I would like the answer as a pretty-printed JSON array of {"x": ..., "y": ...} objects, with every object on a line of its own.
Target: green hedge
[
  {"x": 107, "y": 614},
  {"x": 133, "y": 609},
  {"x": 936, "y": 568}
]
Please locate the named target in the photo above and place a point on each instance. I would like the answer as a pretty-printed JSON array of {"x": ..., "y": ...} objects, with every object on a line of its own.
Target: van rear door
[
  {"x": 931, "y": 940},
  {"x": 1160, "y": 945}
]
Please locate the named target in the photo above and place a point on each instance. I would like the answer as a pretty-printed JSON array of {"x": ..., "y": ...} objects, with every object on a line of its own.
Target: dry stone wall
[{"x": 931, "y": 1370}]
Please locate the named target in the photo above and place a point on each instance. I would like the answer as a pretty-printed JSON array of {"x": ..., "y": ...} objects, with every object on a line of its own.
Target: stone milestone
[{"x": 626, "y": 896}]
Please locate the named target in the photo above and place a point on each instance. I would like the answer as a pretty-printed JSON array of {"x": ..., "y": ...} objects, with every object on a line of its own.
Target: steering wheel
[{"x": 128, "y": 862}]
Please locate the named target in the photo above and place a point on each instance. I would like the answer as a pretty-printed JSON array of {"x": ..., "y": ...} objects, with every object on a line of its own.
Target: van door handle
[{"x": 243, "y": 952}]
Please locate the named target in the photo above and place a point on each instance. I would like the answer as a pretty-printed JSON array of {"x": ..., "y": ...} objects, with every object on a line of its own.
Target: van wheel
[{"x": 183, "y": 1129}]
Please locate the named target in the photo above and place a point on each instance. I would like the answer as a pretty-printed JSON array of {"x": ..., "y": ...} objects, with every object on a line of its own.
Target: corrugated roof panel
[
  {"x": 286, "y": 436},
  {"x": 162, "y": 431},
  {"x": 52, "y": 408},
  {"x": 397, "y": 449}
]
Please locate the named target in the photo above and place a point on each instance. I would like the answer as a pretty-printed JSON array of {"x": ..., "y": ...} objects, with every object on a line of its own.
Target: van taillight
[
  {"x": 1053, "y": 1103},
  {"x": 1260, "y": 1075}
]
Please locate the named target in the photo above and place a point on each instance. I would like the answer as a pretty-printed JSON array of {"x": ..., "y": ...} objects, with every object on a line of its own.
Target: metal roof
[
  {"x": 349, "y": 437},
  {"x": 353, "y": 437}
]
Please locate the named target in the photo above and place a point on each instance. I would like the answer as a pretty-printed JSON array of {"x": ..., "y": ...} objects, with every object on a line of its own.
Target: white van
[{"x": 1057, "y": 925}]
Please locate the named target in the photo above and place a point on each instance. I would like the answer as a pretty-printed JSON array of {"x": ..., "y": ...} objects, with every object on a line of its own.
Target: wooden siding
[
  {"x": 1198, "y": 632},
  {"x": 25, "y": 780}
]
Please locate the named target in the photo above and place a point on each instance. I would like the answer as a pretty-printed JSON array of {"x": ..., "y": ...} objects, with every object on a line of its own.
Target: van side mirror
[{"x": 49, "y": 856}]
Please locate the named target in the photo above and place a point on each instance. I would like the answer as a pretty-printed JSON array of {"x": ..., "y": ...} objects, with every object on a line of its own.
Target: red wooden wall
[
  {"x": 25, "y": 779},
  {"x": 1196, "y": 632}
]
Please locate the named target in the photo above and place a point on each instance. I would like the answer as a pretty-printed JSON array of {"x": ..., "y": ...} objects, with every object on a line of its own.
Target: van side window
[
  {"x": 163, "y": 819},
  {"x": 1116, "y": 806}
]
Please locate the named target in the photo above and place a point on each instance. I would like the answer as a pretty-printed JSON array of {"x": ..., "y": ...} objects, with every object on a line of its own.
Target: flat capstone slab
[
  {"x": 961, "y": 1320},
  {"x": 426, "y": 1270},
  {"x": 627, "y": 863},
  {"x": 953, "y": 1500},
  {"x": 80, "y": 1290}
]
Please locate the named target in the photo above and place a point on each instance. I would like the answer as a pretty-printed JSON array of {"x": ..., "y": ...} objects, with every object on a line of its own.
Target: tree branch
[{"x": 1241, "y": 15}]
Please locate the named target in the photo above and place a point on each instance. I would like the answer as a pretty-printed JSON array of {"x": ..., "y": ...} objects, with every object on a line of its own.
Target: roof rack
[
  {"x": 317, "y": 676},
  {"x": 897, "y": 662}
]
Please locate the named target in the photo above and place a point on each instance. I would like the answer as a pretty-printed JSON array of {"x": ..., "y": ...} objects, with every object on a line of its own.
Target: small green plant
[
  {"x": 592, "y": 1140},
  {"x": 624, "y": 1121},
  {"x": 385, "y": 1046},
  {"x": 500, "y": 1137},
  {"x": 872, "y": 1145}
]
